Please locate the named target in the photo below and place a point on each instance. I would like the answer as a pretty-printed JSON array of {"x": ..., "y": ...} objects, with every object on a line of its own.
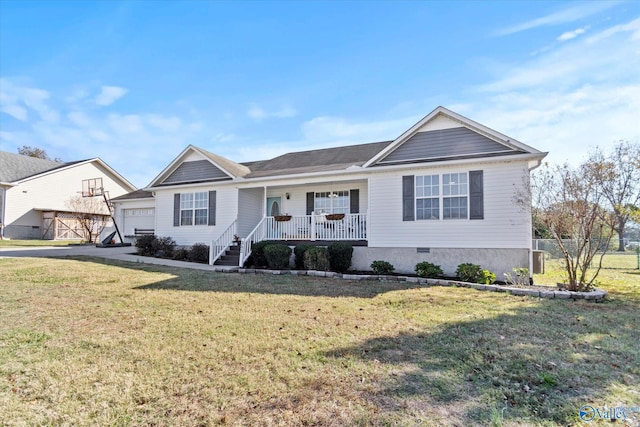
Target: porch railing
[
  {"x": 305, "y": 227},
  {"x": 317, "y": 227},
  {"x": 256, "y": 235},
  {"x": 219, "y": 247}
]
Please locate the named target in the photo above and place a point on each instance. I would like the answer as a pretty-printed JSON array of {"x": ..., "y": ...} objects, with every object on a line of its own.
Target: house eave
[{"x": 362, "y": 173}]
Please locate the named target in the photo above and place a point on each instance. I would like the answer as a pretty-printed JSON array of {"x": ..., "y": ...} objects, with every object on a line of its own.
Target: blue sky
[{"x": 135, "y": 82}]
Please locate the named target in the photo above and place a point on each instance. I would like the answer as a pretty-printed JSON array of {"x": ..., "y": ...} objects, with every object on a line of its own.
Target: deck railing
[
  {"x": 219, "y": 247},
  {"x": 305, "y": 227},
  {"x": 317, "y": 227}
]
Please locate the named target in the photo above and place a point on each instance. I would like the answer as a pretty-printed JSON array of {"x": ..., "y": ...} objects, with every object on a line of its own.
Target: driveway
[{"x": 126, "y": 253}]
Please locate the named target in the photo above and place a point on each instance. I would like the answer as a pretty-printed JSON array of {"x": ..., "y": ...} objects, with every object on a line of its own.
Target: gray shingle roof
[
  {"x": 138, "y": 194},
  {"x": 327, "y": 159},
  {"x": 15, "y": 167}
]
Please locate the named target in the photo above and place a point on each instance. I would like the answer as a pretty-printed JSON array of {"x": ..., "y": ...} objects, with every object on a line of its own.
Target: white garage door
[{"x": 138, "y": 218}]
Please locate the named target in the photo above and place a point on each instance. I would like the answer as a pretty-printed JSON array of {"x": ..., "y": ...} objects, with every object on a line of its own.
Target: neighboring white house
[
  {"x": 444, "y": 191},
  {"x": 35, "y": 194}
]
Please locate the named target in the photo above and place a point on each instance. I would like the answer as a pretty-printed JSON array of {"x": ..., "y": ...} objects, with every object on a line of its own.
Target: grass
[
  {"x": 619, "y": 275},
  {"x": 36, "y": 243},
  {"x": 93, "y": 342}
]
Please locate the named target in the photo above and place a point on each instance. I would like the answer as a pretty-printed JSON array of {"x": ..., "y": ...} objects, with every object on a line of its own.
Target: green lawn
[
  {"x": 93, "y": 342},
  {"x": 36, "y": 243}
]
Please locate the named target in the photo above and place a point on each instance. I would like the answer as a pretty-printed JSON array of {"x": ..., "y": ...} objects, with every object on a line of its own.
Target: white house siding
[
  {"x": 499, "y": 242},
  {"x": 50, "y": 191},
  {"x": 226, "y": 211},
  {"x": 250, "y": 209},
  {"x": 505, "y": 223}
]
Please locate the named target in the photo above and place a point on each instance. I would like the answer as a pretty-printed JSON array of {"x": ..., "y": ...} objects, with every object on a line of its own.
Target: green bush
[
  {"x": 199, "y": 253},
  {"x": 316, "y": 258},
  {"x": 181, "y": 254},
  {"x": 163, "y": 247},
  {"x": 382, "y": 267},
  {"x": 277, "y": 256},
  {"x": 257, "y": 253},
  {"x": 468, "y": 272},
  {"x": 299, "y": 251},
  {"x": 428, "y": 270},
  {"x": 486, "y": 277},
  {"x": 340, "y": 256},
  {"x": 145, "y": 245}
]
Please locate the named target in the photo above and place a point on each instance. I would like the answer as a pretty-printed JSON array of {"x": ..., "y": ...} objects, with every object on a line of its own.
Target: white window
[
  {"x": 194, "y": 208},
  {"x": 445, "y": 198},
  {"x": 454, "y": 196},
  {"x": 428, "y": 197},
  {"x": 331, "y": 202}
]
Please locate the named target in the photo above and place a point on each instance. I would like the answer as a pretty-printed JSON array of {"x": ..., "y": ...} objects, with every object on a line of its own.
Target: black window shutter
[
  {"x": 476, "y": 195},
  {"x": 354, "y": 201},
  {"x": 212, "y": 208},
  {"x": 176, "y": 210},
  {"x": 310, "y": 202},
  {"x": 408, "y": 199}
]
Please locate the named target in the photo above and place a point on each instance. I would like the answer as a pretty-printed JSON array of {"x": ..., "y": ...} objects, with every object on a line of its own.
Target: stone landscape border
[{"x": 595, "y": 295}]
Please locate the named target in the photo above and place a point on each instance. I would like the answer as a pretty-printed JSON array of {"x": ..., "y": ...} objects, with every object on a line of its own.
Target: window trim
[
  {"x": 441, "y": 196},
  {"x": 193, "y": 207},
  {"x": 332, "y": 195}
]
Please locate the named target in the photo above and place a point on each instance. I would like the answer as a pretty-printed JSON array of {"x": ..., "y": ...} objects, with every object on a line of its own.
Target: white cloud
[
  {"x": 109, "y": 94},
  {"x": 15, "y": 111},
  {"x": 571, "y": 98},
  {"x": 79, "y": 118},
  {"x": 258, "y": 113},
  {"x": 573, "y": 34},
  {"x": 16, "y": 100},
  {"x": 570, "y": 14},
  {"x": 633, "y": 27}
]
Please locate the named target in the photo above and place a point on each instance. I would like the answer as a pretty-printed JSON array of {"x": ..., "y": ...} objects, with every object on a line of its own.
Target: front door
[{"x": 273, "y": 206}]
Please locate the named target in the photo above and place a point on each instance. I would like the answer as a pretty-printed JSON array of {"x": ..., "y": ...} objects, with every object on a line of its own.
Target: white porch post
[{"x": 313, "y": 226}]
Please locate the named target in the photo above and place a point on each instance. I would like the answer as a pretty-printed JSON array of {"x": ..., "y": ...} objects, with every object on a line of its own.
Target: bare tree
[
  {"x": 619, "y": 176},
  {"x": 568, "y": 202},
  {"x": 36, "y": 152},
  {"x": 90, "y": 213}
]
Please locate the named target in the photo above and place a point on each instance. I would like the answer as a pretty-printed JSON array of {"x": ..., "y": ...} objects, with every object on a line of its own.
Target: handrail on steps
[
  {"x": 256, "y": 235},
  {"x": 220, "y": 245}
]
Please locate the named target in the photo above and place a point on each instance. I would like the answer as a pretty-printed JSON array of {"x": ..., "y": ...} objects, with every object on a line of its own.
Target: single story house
[
  {"x": 35, "y": 195},
  {"x": 444, "y": 191}
]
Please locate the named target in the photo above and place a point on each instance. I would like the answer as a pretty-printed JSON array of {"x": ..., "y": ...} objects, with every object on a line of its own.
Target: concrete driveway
[{"x": 120, "y": 254}]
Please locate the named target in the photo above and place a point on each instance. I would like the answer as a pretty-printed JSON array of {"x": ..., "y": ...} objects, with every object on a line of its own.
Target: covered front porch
[{"x": 316, "y": 213}]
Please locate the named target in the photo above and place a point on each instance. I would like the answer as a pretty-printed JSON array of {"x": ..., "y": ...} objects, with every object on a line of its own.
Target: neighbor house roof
[{"x": 15, "y": 167}]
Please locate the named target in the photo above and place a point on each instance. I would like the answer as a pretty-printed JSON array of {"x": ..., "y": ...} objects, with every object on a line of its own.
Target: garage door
[{"x": 138, "y": 218}]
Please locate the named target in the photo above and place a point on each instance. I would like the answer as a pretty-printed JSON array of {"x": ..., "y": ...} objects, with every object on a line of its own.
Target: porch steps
[{"x": 231, "y": 257}]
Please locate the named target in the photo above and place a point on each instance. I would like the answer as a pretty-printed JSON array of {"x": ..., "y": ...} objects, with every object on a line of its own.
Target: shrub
[
  {"x": 181, "y": 254},
  {"x": 486, "y": 277},
  {"x": 382, "y": 267},
  {"x": 316, "y": 258},
  {"x": 299, "y": 251},
  {"x": 145, "y": 245},
  {"x": 468, "y": 272},
  {"x": 428, "y": 270},
  {"x": 199, "y": 253},
  {"x": 521, "y": 277},
  {"x": 340, "y": 256},
  {"x": 277, "y": 256},
  {"x": 257, "y": 253},
  {"x": 163, "y": 247}
]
